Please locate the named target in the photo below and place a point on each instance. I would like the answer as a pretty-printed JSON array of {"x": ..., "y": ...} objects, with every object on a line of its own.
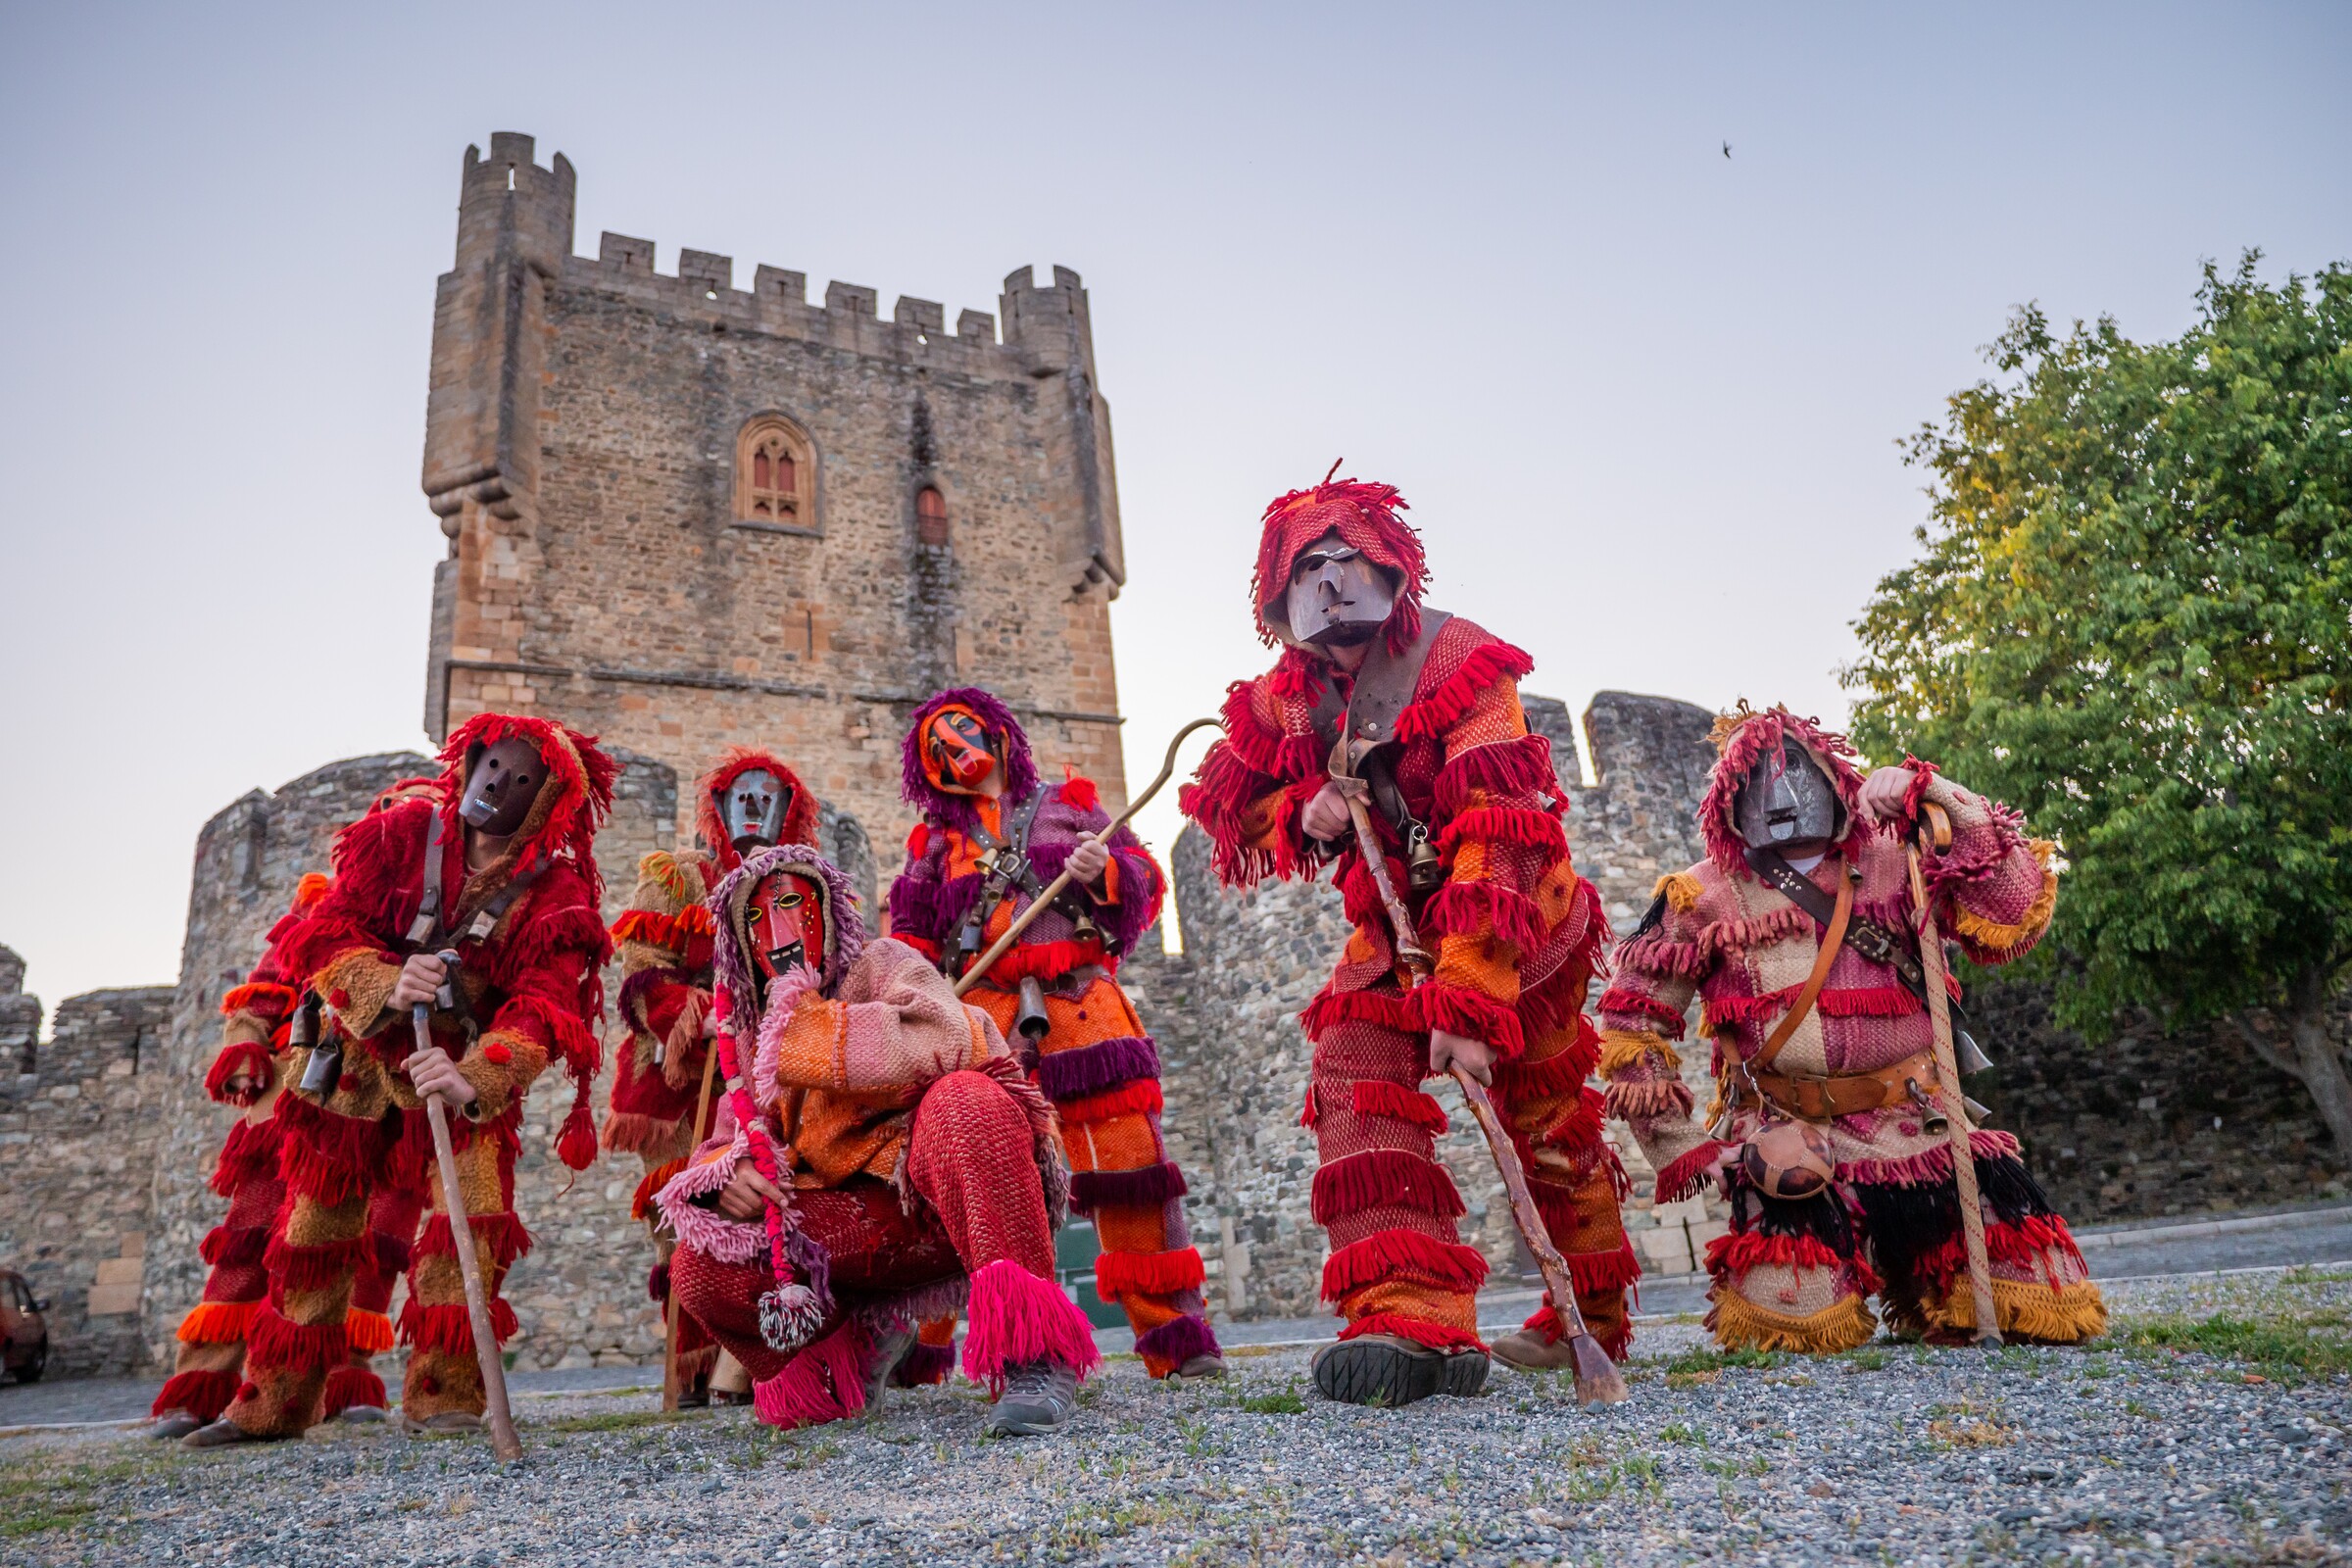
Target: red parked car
[{"x": 23, "y": 1332}]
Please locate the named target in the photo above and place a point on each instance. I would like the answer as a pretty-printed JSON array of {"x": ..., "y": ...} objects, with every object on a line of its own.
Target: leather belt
[{"x": 1819, "y": 1097}]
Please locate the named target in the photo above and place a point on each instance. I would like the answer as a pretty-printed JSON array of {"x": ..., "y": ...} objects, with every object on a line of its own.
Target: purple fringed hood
[
  {"x": 730, "y": 942},
  {"x": 959, "y": 811}
]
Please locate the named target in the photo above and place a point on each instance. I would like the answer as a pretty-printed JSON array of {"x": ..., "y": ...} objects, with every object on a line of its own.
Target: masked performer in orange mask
[
  {"x": 991, "y": 838},
  {"x": 497, "y": 863},
  {"x": 883, "y": 1159},
  {"x": 749, "y": 801},
  {"x": 1467, "y": 811}
]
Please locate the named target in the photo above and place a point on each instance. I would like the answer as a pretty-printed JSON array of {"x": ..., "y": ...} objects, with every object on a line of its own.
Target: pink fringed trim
[
  {"x": 1620, "y": 1002},
  {"x": 1933, "y": 1165},
  {"x": 1692, "y": 1171},
  {"x": 706, "y": 1230},
  {"x": 826, "y": 1381},
  {"x": 1391, "y": 1254},
  {"x": 1848, "y": 1002},
  {"x": 1017, "y": 1317}
]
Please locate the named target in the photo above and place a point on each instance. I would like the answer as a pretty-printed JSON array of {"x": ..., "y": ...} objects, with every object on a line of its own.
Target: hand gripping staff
[
  {"x": 502, "y": 1441},
  {"x": 1937, "y": 832},
  {"x": 1045, "y": 900},
  {"x": 1597, "y": 1381}
]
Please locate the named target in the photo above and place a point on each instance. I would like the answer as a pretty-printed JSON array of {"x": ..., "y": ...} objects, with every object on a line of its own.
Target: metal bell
[
  {"x": 1971, "y": 1060},
  {"x": 1424, "y": 872}
]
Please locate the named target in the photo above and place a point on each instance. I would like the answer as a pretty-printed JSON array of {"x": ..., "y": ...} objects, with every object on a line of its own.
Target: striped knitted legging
[{"x": 1101, "y": 1072}]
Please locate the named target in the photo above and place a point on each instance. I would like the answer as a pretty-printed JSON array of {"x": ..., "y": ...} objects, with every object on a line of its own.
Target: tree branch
[{"x": 2261, "y": 1047}]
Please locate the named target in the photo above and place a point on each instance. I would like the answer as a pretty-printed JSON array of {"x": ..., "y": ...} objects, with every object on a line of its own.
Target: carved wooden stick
[{"x": 672, "y": 1388}]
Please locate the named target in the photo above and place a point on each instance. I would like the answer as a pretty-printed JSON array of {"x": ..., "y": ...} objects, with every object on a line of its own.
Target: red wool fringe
[
  {"x": 670, "y": 932},
  {"x": 1045, "y": 961},
  {"x": 1080, "y": 791},
  {"x": 447, "y": 1328},
  {"x": 1433, "y": 715},
  {"x": 1437, "y": 1336},
  {"x": 259, "y": 996},
  {"x": 370, "y": 1332},
  {"x": 1141, "y": 1098},
  {"x": 1386, "y": 1255},
  {"x": 824, "y": 1382},
  {"x": 502, "y": 1233},
  {"x": 276, "y": 1342},
  {"x": 1623, "y": 1001},
  {"x": 1691, "y": 1173},
  {"x": 1737, "y": 1253},
  {"x": 1580, "y": 1129},
  {"x": 1306, "y": 1113},
  {"x": 1545, "y": 1324},
  {"x": 1461, "y": 1011},
  {"x": 237, "y": 1249},
  {"x": 1507, "y": 824},
  {"x": 2024, "y": 1244},
  {"x": 1281, "y": 758},
  {"x": 1382, "y": 1007},
  {"x": 1015, "y": 1317},
  {"x": 1377, "y": 1096},
  {"x": 246, "y": 1057},
  {"x": 203, "y": 1394},
  {"x": 1596, "y": 1273},
  {"x": 1465, "y": 908},
  {"x": 314, "y": 1268},
  {"x": 218, "y": 1322},
  {"x": 918, "y": 841},
  {"x": 1562, "y": 1073},
  {"x": 1521, "y": 767},
  {"x": 352, "y": 1386},
  {"x": 250, "y": 1150},
  {"x": 1932, "y": 1164},
  {"x": 1852, "y": 1001},
  {"x": 1122, "y": 1274},
  {"x": 634, "y": 1131},
  {"x": 1383, "y": 1178}
]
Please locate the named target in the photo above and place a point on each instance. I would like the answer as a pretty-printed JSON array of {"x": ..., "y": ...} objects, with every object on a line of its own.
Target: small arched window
[
  {"x": 775, "y": 476},
  {"x": 930, "y": 517}
]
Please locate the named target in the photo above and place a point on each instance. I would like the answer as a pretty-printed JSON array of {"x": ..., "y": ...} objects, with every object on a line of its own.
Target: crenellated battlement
[{"x": 1042, "y": 322}]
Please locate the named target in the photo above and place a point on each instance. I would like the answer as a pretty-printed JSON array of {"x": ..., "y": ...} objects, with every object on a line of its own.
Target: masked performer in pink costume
[
  {"x": 1467, "y": 811},
  {"x": 883, "y": 1159},
  {"x": 1824, "y": 1132},
  {"x": 496, "y": 861},
  {"x": 748, "y": 801},
  {"x": 991, "y": 838}
]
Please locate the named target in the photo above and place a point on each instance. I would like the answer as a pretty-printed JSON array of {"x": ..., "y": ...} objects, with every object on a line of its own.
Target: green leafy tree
[{"x": 2133, "y": 619}]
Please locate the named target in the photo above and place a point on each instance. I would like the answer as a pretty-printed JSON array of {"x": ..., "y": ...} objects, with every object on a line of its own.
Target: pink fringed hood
[{"x": 1744, "y": 734}]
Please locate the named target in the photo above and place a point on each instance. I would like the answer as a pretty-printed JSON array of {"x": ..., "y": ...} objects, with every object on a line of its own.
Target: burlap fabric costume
[{"x": 1797, "y": 1274}]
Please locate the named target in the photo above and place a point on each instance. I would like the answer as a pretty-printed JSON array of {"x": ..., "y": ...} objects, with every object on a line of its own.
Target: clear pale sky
[{"x": 1644, "y": 398}]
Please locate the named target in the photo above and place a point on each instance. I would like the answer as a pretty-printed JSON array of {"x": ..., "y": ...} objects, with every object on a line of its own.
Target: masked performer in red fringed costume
[
  {"x": 497, "y": 863},
  {"x": 883, "y": 1159},
  {"x": 991, "y": 838},
  {"x": 1468, "y": 814},
  {"x": 1825, "y": 1134},
  {"x": 749, "y": 801},
  {"x": 255, "y": 1021}
]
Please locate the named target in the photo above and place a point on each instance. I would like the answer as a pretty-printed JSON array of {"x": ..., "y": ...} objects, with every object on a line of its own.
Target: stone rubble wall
[{"x": 77, "y": 1143}]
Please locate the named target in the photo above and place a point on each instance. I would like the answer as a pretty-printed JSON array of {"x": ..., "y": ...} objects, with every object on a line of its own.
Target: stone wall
[
  {"x": 581, "y": 452},
  {"x": 77, "y": 1141},
  {"x": 1234, "y": 1062},
  {"x": 20, "y": 1017}
]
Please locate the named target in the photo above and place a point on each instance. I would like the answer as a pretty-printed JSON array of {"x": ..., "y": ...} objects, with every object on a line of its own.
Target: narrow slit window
[{"x": 930, "y": 517}]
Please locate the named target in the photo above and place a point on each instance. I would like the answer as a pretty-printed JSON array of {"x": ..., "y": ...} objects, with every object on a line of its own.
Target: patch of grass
[
  {"x": 1282, "y": 1401},
  {"x": 1869, "y": 1358},
  {"x": 1711, "y": 1360},
  {"x": 614, "y": 1420},
  {"x": 1966, "y": 1425},
  {"x": 1683, "y": 1433},
  {"x": 2283, "y": 1344},
  {"x": 1753, "y": 1465},
  {"x": 40, "y": 1497},
  {"x": 1243, "y": 1352},
  {"x": 1692, "y": 1380}
]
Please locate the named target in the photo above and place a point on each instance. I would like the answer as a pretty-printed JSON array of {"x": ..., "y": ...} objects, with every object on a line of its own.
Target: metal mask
[
  {"x": 753, "y": 806},
  {"x": 1337, "y": 597},
  {"x": 500, "y": 783},
  {"x": 787, "y": 921},
  {"x": 1785, "y": 799},
  {"x": 956, "y": 754}
]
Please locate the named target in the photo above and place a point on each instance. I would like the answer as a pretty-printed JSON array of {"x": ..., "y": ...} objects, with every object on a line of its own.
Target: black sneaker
[
  {"x": 1039, "y": 1399},
  {"x": 1383, "y": 1369}
]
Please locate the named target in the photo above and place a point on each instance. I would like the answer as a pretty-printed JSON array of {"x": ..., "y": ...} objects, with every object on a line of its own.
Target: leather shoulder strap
[
  {"x": 1383, "y": 687},
  {"x": 429, "y": 904},
  {"x": 1831, "y": 941}
]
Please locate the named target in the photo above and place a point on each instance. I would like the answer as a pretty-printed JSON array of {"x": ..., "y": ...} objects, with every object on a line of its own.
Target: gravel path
[{"x": 2154, "y": 1448}]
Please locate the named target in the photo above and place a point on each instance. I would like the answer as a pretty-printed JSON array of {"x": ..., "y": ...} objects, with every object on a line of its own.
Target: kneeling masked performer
[
  {"x": 1824, "y": 1131},
  {"x": 1467, "y": 813},
  {"x": 496, "y": 861},
  {"x": 749, "y": 801},
  {"x": 883, "y": 1161},
  {"x": 993, "y": 835}
]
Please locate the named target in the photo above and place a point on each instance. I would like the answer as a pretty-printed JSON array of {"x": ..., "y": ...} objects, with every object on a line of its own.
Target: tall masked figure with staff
[
  {"x": 992, "y": 840},
  {"x": 1417, "y": 713}
]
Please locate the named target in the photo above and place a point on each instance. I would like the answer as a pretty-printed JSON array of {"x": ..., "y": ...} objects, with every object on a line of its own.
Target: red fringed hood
[
  {"x": 579, "y": 774},
  {"x": 800, "y": 818},
  {"x": 1744, "y": 734},
  {"x": 1366, "y": 517}
]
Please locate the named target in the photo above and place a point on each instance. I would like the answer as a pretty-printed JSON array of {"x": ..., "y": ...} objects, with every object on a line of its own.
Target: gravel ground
[{"x": 2212, "y": 1427}]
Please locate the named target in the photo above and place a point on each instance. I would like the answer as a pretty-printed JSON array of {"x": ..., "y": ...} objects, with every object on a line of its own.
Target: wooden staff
[
  {"x": 502, "y": 1441},
  {"x": 672, "y": 1391},
  {"x": 1947, "y": 1073},
  {"x": 1043, "y": 901},
  {"x": 1597, "y": 1380}
]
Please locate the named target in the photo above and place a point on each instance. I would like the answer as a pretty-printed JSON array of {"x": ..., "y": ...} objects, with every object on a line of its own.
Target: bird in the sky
[{"x": 1727, "y": 149}]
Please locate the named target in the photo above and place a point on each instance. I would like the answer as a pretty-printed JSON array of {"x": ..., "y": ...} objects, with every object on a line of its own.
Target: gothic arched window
[
  {"x": 775, "y": 476},
  {"x": 930, "y": 517}
]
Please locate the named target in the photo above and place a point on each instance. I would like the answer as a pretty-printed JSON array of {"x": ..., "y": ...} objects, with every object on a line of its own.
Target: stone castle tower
[{"x": 683, "y": 515}]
